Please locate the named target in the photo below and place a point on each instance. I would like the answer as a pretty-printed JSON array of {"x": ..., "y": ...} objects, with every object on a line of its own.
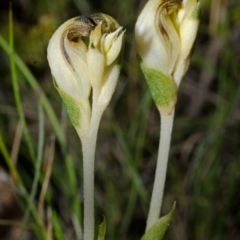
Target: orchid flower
[
  {"x": 165, "y": 32},
  {"x": 84, "y": 55}
]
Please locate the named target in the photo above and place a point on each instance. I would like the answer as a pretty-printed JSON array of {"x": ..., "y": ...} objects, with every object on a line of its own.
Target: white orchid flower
[
  {"x": 165, "y": 32},
  {"x": 84, "y": 55}
]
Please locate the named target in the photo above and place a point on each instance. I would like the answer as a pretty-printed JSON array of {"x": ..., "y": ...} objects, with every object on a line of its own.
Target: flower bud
[
  {"x": 165, "y": 32},
  {"x": 82, "y": 54}
]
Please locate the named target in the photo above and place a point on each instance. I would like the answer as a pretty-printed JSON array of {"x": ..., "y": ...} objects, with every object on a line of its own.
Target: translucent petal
[
  {"x": 96, "y": 66},
  {"x": 110, "y": 39},
  {"x": 110, "y": 82},
  {"x": 115, "y": 49}
]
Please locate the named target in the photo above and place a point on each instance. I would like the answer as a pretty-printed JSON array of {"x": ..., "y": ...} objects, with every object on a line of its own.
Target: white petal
[
  {"x": 95, "y": 36},
  {"x": 187, "y": 32},
  {"x": 115, "y": 48},
  {"x": 110, "y": 39},
  {"x": 96, "y": 66},
  {"x": 110, "y": 78},
  {"x": 67, "y": 61},
  {"x": 153, "y": 47}
]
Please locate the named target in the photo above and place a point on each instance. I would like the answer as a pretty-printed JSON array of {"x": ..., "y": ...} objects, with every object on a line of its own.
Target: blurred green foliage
[{"x": 203, "y": 174}]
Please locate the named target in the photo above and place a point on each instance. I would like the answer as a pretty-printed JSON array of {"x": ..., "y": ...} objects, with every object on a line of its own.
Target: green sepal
[
  {"x": 72, "y": 106},
  {"x": 197, "y": 11},
  {"x": 102, "y": 230},
  {"x": 161, "y": 86},
  {"x": 157, "y": 231}
]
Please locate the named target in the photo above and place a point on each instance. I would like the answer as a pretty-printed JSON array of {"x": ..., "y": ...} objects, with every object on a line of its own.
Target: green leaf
[
  {"x": 157, "y": 231},
  {"x": 102, "y": 230},
  {"x": 161, "y": 86},
  {"x": 72, "y": 106}
]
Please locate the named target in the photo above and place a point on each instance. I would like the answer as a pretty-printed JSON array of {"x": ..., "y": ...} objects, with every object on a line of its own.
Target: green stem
[{"x": 160, "y": 175}]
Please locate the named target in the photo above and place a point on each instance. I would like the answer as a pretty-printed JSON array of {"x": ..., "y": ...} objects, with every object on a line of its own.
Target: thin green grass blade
[
  {"x": 35, "y": 86},
  {"x": 40, "y": 230},
  {"x": 138, "y": 135},
  {"x": 38, "y": 165},
  {"x": 129, "y": 160},
  {"x": 57, "y": 228},
  {"x": 28, "y": 139},
  {"x": 53, "y": 119},
  {"x": 16, "y": 92}
]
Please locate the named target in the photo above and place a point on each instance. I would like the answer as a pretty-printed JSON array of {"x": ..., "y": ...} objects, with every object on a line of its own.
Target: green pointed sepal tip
[
  {"x": 197, "y": 11},
  {"x": 102, "y": 230},
  {"x": 72, "y": 106},
  {"x": 157, "y": 231},
  {"x": 162, "y": 87}
]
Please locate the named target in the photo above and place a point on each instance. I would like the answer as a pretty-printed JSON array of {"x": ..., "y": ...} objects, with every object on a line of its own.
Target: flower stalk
[
  {"x": 161, "y": 169},
  {"x": 88, "y": 148}
]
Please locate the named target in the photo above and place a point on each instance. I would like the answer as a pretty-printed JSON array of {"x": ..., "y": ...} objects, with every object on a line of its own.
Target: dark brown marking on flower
[
  {"x": 108, "y": 25},
  {"x": 64, "y": 51},
  {"x": 96, "y": 18},
  {"x": 164, "y": 32},
  {"x": 165, "y": 9},
  {"x": 81, "y": 27},
  {"x": 172, "y": 5}
]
